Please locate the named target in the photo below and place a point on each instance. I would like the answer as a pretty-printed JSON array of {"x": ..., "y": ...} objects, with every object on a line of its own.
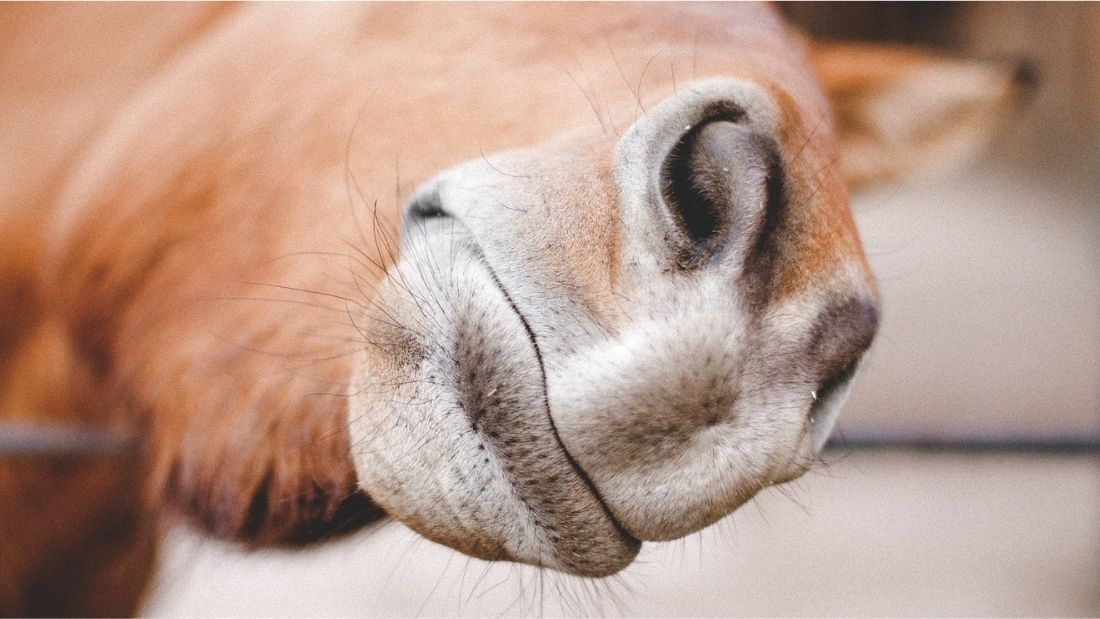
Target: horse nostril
[{"x": 714, "y": 184}]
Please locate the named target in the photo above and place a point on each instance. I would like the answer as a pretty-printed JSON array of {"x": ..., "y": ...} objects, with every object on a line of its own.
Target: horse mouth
[{"x": 512, "y": 489}]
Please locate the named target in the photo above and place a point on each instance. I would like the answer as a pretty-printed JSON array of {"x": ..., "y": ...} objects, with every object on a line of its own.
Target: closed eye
[
  {"x": 827, "y": 400},
  {"x": 831, "y": 385},
  {"x": 423, "y": 206}
]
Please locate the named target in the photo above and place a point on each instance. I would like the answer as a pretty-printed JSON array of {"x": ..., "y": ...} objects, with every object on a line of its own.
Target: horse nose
[{"x": 672, "y": 417}]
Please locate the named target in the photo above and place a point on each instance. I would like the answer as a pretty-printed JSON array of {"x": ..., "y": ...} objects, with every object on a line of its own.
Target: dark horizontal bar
[
  {"x": 966, "y": 444},
  {"x": 26, "y": 439},
  {"x": 39, "y": 440}
]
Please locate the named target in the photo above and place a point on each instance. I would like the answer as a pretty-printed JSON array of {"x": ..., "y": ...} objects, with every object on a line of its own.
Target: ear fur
[{"x": 904, "y": 111}]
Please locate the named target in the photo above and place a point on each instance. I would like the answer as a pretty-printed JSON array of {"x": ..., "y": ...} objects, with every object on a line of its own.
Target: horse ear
[{"x": 904, "y": 111}]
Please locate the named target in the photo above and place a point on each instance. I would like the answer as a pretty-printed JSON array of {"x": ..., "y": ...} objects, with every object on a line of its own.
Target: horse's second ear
[{"x": 904, "y": 111}]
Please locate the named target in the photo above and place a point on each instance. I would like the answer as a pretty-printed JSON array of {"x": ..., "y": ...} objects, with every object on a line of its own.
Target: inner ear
[{"x": 714, "y": 186}]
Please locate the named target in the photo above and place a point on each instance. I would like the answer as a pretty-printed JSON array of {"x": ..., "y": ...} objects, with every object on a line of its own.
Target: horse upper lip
[
  {"x": 580, "y": 472},
  {"x": 428, "y": 205}
]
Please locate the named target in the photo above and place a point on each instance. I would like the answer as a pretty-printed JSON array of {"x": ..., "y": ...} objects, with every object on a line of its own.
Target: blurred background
[{"x": 987, "y": 367}]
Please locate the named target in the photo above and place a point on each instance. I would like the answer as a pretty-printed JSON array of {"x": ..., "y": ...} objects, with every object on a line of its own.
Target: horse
[{"x": 542, "y": 282}]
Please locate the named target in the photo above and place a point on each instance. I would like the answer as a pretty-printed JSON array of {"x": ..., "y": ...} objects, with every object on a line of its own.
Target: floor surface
[{"x": 872, "y": 534}]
